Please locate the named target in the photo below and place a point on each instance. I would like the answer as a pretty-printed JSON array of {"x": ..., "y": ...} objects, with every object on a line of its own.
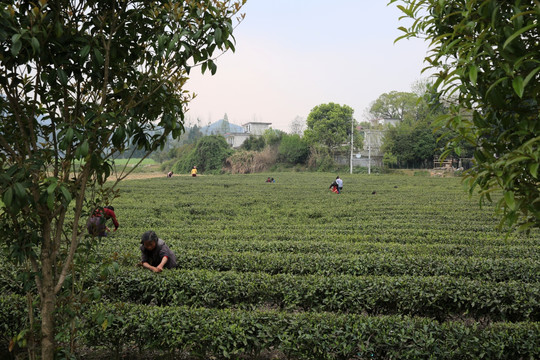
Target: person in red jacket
[{"x": 96, "y": 224}]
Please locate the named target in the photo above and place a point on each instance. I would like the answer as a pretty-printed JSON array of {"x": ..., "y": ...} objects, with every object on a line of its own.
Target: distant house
[
  {"x": 373, "y": 141},
  {"x": 236, "y": 139},
  {"x": 386, "y": 121},
  {"x": 256, "y": 128}
]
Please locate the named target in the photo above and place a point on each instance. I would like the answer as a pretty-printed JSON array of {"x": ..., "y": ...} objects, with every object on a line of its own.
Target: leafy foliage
[
  {"x": 395, "y": 105},
  {"x": 329, "y": 125},
  {"x": 414, "y": 145},
  {"x": 229, "y": 334},
  {"x": 208, "y": 155},
  {"x": 485, "y": 54},
  {"x": 293, "y": 149},
  {"x": 83, "y": 81},
  {"x": 253, "y": 143}
]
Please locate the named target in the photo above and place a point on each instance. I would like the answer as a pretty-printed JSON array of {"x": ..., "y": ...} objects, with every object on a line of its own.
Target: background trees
[
  {"x": 255, "y": 143},
  {"x": 293, "y": 149},
  {"x": 329, "y": 125},
  {"x": 82, "y": 81},
  {"x": 486, "y": 56},
  {"x": 395, "y": 105},
  {"x": 208, "y": 155}
]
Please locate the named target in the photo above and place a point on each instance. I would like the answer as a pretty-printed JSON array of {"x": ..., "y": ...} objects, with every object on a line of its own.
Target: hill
[{"x": 221, "y": 127}]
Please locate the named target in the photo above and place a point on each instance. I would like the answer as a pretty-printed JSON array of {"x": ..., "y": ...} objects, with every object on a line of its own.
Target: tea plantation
[{"x": 395, "y": 267}]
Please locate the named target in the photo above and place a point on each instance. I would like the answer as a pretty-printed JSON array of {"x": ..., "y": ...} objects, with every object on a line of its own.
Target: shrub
[
  {"x": 246, "y": 162},
  {"x": 293, "y": 149},
  {"x": 208, "y": 155}
]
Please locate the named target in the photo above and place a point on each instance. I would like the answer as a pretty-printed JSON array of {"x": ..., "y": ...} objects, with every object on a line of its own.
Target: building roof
[{"x": 258, "y": 123}]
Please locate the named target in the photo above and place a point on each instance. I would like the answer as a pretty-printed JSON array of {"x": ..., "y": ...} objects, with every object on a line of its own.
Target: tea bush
[{"x": 401, "y": 267}]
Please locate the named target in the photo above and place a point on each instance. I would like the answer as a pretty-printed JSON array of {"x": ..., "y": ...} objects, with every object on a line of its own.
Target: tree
[
  {"x": 395, "y": 105},
  {"x": 225, "y": 126},
  {"x": 194, "y": 134},
  {"x": 208, "y": 155},
  {"x": 254, "y": 143},
  {"x": 293, "y": 149},
  {"x": 329, "y": 125},
  {"x": 81, "y": 81},
  {"x": 485, "y": 54},
  {"x": 272, "y": 137}
]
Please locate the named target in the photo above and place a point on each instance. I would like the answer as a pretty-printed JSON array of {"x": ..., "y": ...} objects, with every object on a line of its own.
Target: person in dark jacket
[
  {"x": 155, "y": 254},
  {"x": 97, "y": 222}
]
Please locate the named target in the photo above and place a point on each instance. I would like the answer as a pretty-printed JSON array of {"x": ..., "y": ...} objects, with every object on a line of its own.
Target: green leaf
[
  {"x": 35, "y": 45},
  {"x": 530, "y": 76},
  {"x": 212, "y": 66},
  {"x": 69, "y": 135},
  {"x": 8, "y": 197},
  {"x": 533, "y": 169},
  {"x": 16, "y": 48},
  {"x": 473, "y": 74},
  {"x": 517, "y": 159},
  {"x": 52, "y": 187},
  {"x": 517, "y": 84},
  {"x": 19, "y": 190},
  {"x": 173, "y": 42},
  {"x": 510, "y": 200},
  {"x": 517, "y": 33},
  {"x": 84, "y": 52},
  {"x": 62, "y": 76},
  {"x": 84, "y": 148},
  {"x": 217, "y": 35},
  {"x": 98, "y": 56},
  {"x": 58, "y": 29},
  {"x": 408, "y": 12},
  {"x": 495, "y": 84},
  {"x": 66, "y": 194}
]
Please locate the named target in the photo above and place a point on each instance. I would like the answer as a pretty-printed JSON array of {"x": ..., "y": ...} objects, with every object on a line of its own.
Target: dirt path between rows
[
  {"x": 151, "y": 175},
  {"x": 142, "y": 176}
]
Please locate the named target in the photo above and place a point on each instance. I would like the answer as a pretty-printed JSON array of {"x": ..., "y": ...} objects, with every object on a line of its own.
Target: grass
[{"x": 133, "y": 162}]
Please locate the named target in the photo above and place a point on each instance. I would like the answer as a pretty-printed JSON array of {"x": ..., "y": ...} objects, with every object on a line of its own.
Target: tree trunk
[{"x": 48, "y": 299}]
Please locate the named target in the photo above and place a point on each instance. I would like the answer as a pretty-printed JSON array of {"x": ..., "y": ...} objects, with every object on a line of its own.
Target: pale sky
[{"x": 292, "y": 55}]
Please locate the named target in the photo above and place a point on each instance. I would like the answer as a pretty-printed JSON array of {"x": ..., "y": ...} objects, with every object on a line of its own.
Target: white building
[
  {"x": 256, "y": 128},
  {"x": 236, "y": 140}
]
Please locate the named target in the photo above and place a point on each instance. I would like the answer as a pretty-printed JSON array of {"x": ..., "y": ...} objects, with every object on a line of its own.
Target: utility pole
[
  {"x": 352, "y": 142},
  {"x": 369, "y": 153}
]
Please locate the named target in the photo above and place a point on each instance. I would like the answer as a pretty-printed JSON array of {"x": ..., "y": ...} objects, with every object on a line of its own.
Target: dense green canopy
[{"x": 486, "y": 57}]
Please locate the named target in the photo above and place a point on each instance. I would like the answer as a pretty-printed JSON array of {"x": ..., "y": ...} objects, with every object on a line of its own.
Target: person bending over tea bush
[
  {"x": 96, "y": 224},
  {"x": 156, "y": 255}
]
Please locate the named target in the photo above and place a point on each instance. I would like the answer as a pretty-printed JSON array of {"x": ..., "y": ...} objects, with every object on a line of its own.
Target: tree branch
[{"x": 74, "y": 232}]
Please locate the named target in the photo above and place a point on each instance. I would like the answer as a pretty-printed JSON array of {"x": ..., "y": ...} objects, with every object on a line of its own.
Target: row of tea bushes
[
  {"x": 491, "y": 269},
  {"x": 291, "y": 270},
  {"x": 233, "y": 334},
  {"x": 358, "y": 246},
  {"x": 437, "y": 297}
]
